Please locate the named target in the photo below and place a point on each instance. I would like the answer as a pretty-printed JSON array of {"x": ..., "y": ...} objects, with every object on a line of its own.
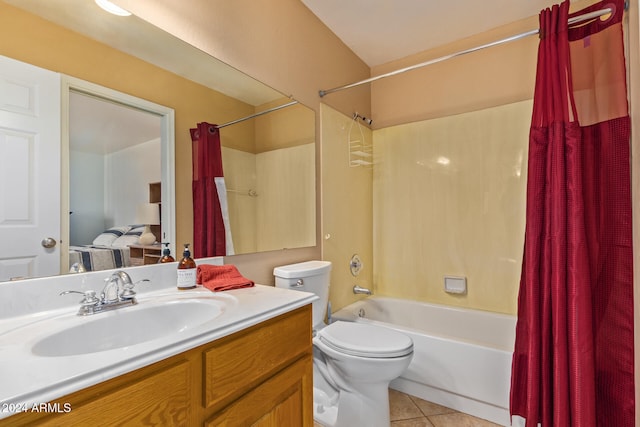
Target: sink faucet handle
[
  {"x": 90, "y": 297},
  {"x": 128, "y": 292}
]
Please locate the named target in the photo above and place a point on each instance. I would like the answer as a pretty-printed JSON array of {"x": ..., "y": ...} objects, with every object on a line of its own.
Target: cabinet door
[
  {"x": 149, "y": 401},
  {"x": 241, "y": 361},
  {"x": 283, "y": 400}
]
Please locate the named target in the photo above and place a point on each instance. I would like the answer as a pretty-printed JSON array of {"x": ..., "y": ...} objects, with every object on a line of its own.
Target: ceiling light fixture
[{"x": 112, "y": 8}]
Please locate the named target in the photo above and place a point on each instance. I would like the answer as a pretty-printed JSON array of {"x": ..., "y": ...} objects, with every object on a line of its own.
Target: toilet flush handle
[{"x": 299, "y": 283}]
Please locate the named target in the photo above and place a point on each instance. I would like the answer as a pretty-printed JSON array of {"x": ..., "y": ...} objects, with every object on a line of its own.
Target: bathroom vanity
[{"x": 251, "y": 364}]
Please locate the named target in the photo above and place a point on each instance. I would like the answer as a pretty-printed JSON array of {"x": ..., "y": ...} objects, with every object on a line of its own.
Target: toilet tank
[{"x": 308, "y": 276}]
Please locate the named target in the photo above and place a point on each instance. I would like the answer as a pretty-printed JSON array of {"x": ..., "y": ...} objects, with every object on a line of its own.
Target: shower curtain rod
[
  {"x": 233, "y": 122},
  {"x": 574, "y": 20}
]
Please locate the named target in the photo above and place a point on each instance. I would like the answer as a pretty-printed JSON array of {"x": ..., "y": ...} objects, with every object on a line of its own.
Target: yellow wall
[
  {"x": 347, "y": 211},
  {"x": 288, "y": 127},
  {"x": 495, "y": 76},
  {"x": 278, "y": 42}
]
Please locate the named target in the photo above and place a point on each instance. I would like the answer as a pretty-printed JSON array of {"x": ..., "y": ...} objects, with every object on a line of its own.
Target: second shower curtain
[{"x": 211, "y": 229}]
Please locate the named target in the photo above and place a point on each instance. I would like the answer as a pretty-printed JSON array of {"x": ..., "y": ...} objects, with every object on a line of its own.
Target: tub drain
[{"x": 361, "y": 312}]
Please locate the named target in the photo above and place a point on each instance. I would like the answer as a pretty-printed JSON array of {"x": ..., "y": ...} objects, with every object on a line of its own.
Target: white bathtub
[{"x": 462, "y": 357}]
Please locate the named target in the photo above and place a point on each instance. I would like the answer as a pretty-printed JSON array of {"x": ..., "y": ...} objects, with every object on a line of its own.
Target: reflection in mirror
[
  {"x": 114, "y": 157},
  {"x": 114, "y": 168},
  {"x": 261, "y": 156},
  {"x": 270, "y": 180}
]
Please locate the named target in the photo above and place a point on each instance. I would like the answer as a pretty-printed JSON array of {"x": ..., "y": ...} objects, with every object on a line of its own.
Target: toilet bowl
[{"x": 353, "y": 363}]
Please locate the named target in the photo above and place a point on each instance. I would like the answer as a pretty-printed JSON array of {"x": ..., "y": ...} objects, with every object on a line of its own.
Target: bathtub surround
[
  {"x": 448, "y": 200},
  {"x": 449, "y": 197}
]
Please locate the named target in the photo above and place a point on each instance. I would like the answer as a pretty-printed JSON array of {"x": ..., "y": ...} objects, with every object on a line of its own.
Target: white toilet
[{"x": 353, "y": 363}]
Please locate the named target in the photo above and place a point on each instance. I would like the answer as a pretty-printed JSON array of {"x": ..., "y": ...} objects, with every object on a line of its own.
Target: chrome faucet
[
  {"x": 118, "y": 292},
  {"x": 123, "y": 287},
  {"x": 360, "y": 290},
  {"x": 111, "y": 291}
]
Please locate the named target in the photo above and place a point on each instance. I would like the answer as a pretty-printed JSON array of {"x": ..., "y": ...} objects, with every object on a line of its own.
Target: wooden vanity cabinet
[{"x": 260, "y": 376}]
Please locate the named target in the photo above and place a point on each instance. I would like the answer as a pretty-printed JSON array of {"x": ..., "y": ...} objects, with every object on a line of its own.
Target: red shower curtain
[
  {"x": 208, "y": 224},
  {"x": 573, "y": 357}
]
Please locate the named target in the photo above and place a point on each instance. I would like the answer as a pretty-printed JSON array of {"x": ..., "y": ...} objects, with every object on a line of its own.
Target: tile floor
[{"x": 411, "y": 411}]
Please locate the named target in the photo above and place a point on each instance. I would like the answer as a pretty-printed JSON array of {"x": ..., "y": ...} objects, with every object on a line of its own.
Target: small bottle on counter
[
  {"x": 186, "y": 270},
  {"x": 166, "y": 254}
]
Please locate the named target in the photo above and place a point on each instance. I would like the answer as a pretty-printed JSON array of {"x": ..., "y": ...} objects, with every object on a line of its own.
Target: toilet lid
[{"x": 359, "y": 339}]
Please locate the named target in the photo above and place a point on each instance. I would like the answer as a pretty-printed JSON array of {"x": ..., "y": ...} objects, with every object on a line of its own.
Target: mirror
[{"x": 261, "y": 156}]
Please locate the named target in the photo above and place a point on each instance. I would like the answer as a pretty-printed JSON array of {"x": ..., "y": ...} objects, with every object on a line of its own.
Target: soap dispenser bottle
[
  {"x": 166, "y": 255},
  {"x": 186, "y": 270}
]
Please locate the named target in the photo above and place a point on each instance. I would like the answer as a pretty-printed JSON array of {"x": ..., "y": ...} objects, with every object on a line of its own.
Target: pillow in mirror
[
  {"x": 131, "y": 237},
  {"x": 107, "y": 237}
]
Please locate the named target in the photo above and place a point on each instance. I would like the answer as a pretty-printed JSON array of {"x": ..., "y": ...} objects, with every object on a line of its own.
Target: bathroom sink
[{"x": 129, "y": 326}]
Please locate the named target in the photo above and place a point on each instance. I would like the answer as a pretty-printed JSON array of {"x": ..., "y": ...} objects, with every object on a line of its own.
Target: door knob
[{"x": 49, "y": 242}]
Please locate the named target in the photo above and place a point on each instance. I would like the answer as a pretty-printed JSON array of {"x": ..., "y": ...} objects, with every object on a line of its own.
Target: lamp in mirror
[{"x": 148, "y": 214}]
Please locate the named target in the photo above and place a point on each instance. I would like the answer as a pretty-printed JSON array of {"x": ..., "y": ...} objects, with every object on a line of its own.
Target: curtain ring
[{"x": 605, "y": 18}]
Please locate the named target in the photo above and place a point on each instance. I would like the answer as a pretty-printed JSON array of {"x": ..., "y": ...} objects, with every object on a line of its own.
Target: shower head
[{"x": 363, "y": 118}]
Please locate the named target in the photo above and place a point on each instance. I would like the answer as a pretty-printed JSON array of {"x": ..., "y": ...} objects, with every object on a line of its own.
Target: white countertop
[{"x": 27, "y": 378}]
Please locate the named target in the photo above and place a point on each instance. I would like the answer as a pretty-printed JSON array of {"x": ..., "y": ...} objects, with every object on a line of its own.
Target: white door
[{"x": 29, "y": 170}]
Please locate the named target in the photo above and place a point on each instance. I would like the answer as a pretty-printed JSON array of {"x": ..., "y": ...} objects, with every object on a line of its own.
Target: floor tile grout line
[{"x": 445, "y": 409}]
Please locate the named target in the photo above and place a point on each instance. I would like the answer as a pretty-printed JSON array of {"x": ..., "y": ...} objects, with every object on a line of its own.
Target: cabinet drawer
[{"x": 241, "y": 361}]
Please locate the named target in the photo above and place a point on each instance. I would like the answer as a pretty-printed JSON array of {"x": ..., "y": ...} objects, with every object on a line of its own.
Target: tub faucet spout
[{"x": 360, "y": 290}]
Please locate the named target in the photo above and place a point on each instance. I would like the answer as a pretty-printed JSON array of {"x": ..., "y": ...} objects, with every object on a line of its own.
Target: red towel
[{"x": 221, "y": 277}]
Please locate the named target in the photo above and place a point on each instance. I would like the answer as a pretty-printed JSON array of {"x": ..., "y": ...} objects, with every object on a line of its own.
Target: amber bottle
[
  {"x": 166, "y": 255},
  {"x": 186, "y": 270}
]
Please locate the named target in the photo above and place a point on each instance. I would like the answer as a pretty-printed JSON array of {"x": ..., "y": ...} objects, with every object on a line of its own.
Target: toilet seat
[{"x": 359, "y": 339}]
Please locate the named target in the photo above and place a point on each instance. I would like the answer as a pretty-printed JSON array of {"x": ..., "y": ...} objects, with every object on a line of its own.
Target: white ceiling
[
  {"x": 102, "y": 127},
  {"x": 380, "y": 31}
]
